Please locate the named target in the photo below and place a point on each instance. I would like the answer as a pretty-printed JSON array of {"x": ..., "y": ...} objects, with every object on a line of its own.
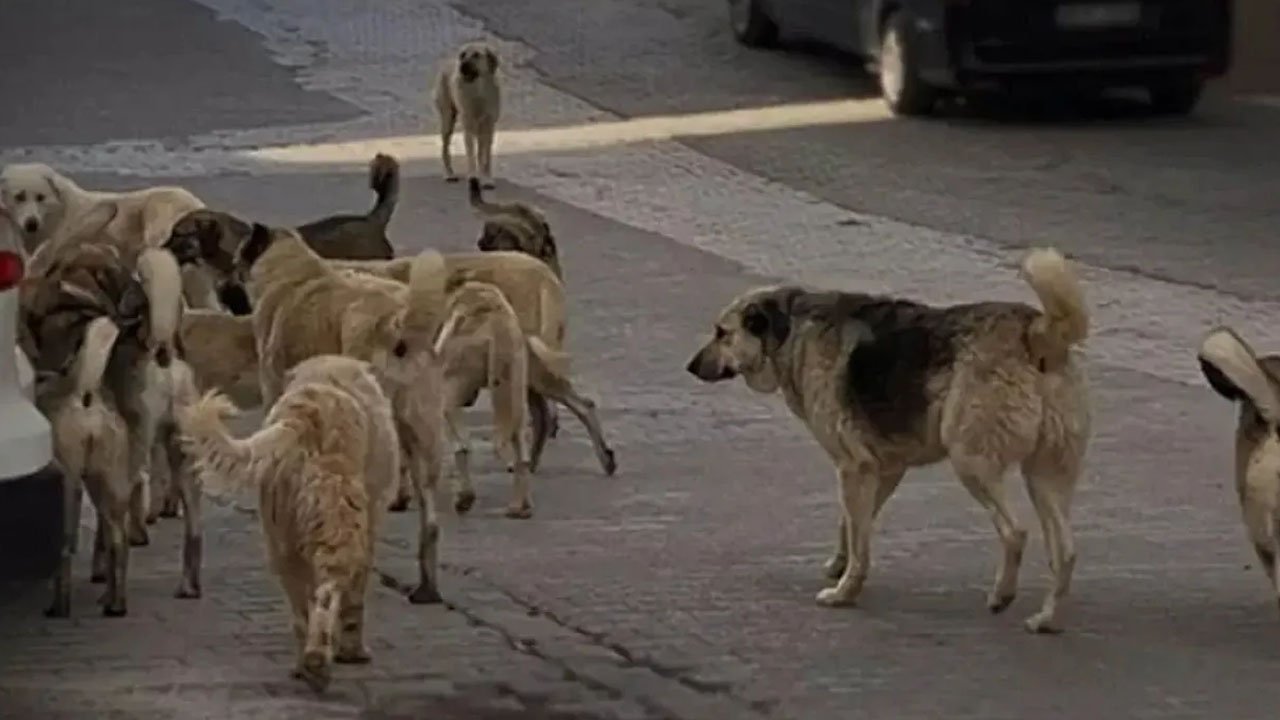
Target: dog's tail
[
  {"x": 1232, "y": 369},
  {"x": 99, "y": 338},
  {"x": 555, "y": 362},
  {"x": 225, "y": 462},
  {"x": 1065, "y": 318},
  {"x": 384, "y": 181},
  {"x": 428, "y": 279},
  {"x": 162, "y": 283}
]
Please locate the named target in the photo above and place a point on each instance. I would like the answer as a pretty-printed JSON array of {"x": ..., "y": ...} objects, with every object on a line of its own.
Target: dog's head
[
  {"x": 513, "y": 227},
  {"x": 209, "y": 238},
  {"x": 475, "y": 60},
  {"x": 34, "y": 195},
  {"x": 747, "y": 334}
]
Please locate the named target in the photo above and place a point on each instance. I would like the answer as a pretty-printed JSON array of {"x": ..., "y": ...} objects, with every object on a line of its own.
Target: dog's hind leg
[
  {"x": 984, "y": 479},
  {"x": 1051, "y": 480},
  {"x": 426, "y": 477},
  {"x": 464, "y": 492},
  {"x": 1260, "y": 521},
  {"x": 322, "y": 620},
  {"x": 140, "y": 442},
  {"x": 542, "y": 425},
  {"x": 351, "y": 646},
  {"x": 114, "y": 604},
  {"x": 99, "y": 563},
  {"x": 72, "y": 498},
  {"x": 188, "y": 483},
  {"x": 562, "y": 391},
  {"x": 521, "y": 506}
]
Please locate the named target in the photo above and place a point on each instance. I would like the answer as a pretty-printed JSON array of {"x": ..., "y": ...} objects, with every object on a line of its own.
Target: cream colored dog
[
  {"x": 467, "y": 90},
  {"x": 319, "y": 476},
  {"x": 43, "y": 202},
  {"x": 1238, "y": 374}
]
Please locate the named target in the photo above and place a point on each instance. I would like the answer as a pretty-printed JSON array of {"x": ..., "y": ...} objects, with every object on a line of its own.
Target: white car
[{"x": 30, "y": 484}]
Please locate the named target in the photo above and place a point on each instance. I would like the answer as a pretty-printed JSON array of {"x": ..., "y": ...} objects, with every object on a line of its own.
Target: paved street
[{"x": 683, "y": 586}]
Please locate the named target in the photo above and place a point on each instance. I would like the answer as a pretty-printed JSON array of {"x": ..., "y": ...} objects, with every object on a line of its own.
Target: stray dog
[
  {"x": 143, "y": 377},
  {"x": 482, "y": 346},
  {"x": 222, "y": 353},
  {"x": 303, "y": 307},
  {"x": 467, "y": 90},
  {"x": 360, "y": 237},
  {"x": 886, "y": 384},
  {"x": 1239, "y": 375},
  {"x": 314, "y": 469},
  {"x": 92, "y": 447},
  {"x": 529, "y": 285},
  {"x": 45, "y": 202},
  {"x": 517, "y": 227}
]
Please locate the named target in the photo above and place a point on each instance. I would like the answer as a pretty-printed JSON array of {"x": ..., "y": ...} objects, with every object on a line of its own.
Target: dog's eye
[
  {"x": 40, "y": 197},
  {"x": 20, "y": 197},
  {"x": 400, "y": 349},
  {"x": 720, "y": 333}
]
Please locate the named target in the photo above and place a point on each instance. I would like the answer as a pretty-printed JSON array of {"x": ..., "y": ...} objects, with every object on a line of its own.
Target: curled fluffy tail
[
  {"x": 224, "y": 462},
  {"x": 1232, "y": 369},
  {"x": 95, "y": 353},
  {"x": 1065, "y": 319},
  {"x": 428, "y": 278},
  {"x": 384, "y": 180},
  {"x": 162, "y": 282}
]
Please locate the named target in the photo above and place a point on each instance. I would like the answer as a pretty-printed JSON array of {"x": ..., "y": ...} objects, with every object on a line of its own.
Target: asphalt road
[{"x": 683, "y": 587}]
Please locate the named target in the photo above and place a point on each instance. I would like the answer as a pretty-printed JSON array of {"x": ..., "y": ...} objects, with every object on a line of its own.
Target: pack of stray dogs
[{"x": 151, "y": 319}]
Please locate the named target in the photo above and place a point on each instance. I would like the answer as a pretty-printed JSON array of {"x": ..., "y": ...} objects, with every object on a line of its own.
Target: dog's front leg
[
  {"x": 485, "y": 154},
  {"x": 858, "y": 488},
  {"x": 471, "y": 141}
]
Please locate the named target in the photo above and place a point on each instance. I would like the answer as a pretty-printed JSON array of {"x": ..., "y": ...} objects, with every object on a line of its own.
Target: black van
[{"x": 923, "y": 49}]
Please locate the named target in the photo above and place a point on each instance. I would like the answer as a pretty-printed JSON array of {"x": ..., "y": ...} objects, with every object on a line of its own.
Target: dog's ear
[
  {"x": 492, "y": 57},
  {"x": 234, "y": 298},
  {"x": 56, "y": 185},
  {"x": 257, "y": 244},
  {"x": 768, "y": 319}
]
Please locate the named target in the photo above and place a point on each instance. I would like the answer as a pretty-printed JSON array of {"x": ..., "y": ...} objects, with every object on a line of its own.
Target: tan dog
[
  {"x": 466, "y": 90},
  {"x": 91, "y": 445},
  {"x": 44, "y": 203},
  {"x": 318, "y": 478},
  {"x": 886, "y": 385},
  {"x": 302, "y": 307},
  {"x": 482, "y": 346},
  {"x": 516, "y": 227},
  {"x": 1239, "y": 375},
  {"x": 222, "y": 353}
]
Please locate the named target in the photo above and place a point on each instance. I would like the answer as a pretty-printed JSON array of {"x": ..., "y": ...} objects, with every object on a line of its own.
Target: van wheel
[
  {"x": 900, "y": 84},
  {"x": 1178, "y": 96},
  {"x": 750, "y": 24}
]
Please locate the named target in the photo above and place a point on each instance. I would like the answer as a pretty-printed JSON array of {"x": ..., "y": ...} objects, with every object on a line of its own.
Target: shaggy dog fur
[
  {"x": 143, "y": 377},
  {"x": 91, "y": 445},
  {"x": 44, "y": 203},
  {"x": 319, "y": 478},
  {"x": 886, "y": 384},
  {"x": 467, "y": 90},
  {"x": 303, "y": 307},
  {"x": 482, "y": 346},
  {"x": 515, "y": 227},
  {"x": 1238, "y": 374}
]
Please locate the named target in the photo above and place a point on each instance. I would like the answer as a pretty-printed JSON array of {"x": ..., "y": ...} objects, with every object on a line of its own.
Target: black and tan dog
[
  {"x": 338, "y": 237},
  {"x": 886, "y": 385},
  {"x": 515, "y": 227},
  {"x": 1239, "y": 375}
]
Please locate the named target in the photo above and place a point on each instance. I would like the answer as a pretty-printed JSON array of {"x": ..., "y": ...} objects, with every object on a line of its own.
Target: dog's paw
[
  {"x": 488, "y": 184},
  {"x": 152, "y": 517},
  {"x": 610, "y": 463},
  {"x": 451, "y": 178},
  {"x": 834, "y": 567},
  {"x": 98, "y": 577},
  {"x": 833, "y": 597},
  {"x": 1042, "y": 623},
  {"x": 400, "y": 504},
  {"x": 169, "y": 509},
  {"x": 464, "y": 500},
  {"x": 187, "y": 591},
  {"x": 315, "y": 672},
  {"x": 353, "y": 656},
  {"x": 138, "y": 537},
  {"x": 425, "y": 594},
  {"x": 519, "y": 511},
  {"x": 116, "y": 609},
  {"x": 61, "y": 608},
  {"x": 999, "y": 602}
]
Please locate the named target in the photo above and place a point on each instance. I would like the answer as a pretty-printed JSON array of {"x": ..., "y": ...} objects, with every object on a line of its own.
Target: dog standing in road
[
  {"x": 515, "y": 227},
  {"x": 1239, "y": 375},
  {"x": 320, "y": 480},
  {"x": 467, "y": 91},
  {"x": 886, "y": 385}
]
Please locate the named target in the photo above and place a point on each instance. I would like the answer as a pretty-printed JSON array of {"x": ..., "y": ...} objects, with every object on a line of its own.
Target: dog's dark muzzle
[
  {"x": 708, "y": 370},
  {"x": 468, "y": 72},
  {"x": 185, "y": 249}
]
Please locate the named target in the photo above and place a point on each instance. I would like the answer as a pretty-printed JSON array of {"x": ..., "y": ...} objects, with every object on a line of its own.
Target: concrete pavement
[{"x": 683, "y": 586}]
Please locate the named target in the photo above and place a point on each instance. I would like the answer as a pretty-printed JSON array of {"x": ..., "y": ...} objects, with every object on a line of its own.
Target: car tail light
[{"x": 11, "y": 269}]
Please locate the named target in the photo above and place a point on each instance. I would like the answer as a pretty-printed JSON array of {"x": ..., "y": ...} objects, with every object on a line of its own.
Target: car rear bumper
[{"x": 31, "y": 525}]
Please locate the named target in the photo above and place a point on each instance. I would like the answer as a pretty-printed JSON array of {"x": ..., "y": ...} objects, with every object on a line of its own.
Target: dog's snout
[
  {"x": 31, "y": 225},
  {"x": 486, "y": 243},
  {"x": 163, "y": 357},
  {"x": 695, "y": 363}
]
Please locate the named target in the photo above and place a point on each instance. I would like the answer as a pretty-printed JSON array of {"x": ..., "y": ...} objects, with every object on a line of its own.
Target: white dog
[
  {"x": 43, "y": 202},
  {"x": 467, "y": 90}
]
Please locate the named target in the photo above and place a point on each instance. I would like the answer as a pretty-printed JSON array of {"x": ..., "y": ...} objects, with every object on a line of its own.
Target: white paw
[
  {"x": 1042, "y": 623},
  {"x": 832, "y": 597}
]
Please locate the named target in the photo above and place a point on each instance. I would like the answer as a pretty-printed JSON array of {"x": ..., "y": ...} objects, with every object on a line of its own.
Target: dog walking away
[
  {"x": 91, "y": 446},
  {"x": 308, "y": 464},
  {"x": 514, "y": 227},
  {"x": 467, "y": 91},
  {"x": 886, "y": 384},
  {"x": 360, "y": 237},
  {"x": 1239, "y": 375}
]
